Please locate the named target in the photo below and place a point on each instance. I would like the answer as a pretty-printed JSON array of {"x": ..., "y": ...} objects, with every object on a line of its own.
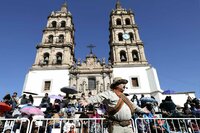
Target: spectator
[
  {"x": 30, "y": 98},
  {"x": 155, "y": 107},
  {"x": 135, "y": 100},
  {"x": 142, "y": 103},
  {"x": 69, "y": 127},
  {"x": 95, "y": 125},
  {"x": 45, "y": 101},
  {"x": 49, "y": 110},
  {"x": 57, "y": 104},
  {"x": 84, "y": 123},
  {"x": 54, "y": 123},
  {"x": 90, "y": 106},
  {"x": 72, "y": 129},
  {"x": 83, "y": 96},
  {"x": 82, "y": 108},
  {"x": 7, "y": 99},
  {"x": 74, "y": 101},
  {"x": 24, "y": 100},
  {"x": 2, "y": 115},
  {"x": 15, "y": 100},
  {"x": 90, "y": 94},
  {"x": 65, "y": 101},
  {"x": 167, "y": 106},
  {"x": 186, "y": 109}
]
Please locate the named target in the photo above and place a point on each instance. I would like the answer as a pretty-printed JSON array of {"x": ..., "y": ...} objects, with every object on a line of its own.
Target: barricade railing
[
  {"x": 167, "y": 125},
  {"x": 15, "y": 125},
  {"x": 98, "y": 125},
  {"x": 64, "y": 125}
]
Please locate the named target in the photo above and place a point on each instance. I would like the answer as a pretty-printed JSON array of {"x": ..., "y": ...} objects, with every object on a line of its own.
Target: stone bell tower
[
  {"x": 57, "y": 47},
  {"x": 54, "y": 57},
  {"x": 127, "y": 54},
  {"x": 126, "y": 48}
]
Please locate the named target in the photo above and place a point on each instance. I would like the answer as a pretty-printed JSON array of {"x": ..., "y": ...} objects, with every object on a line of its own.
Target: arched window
[
  {"x": 135, "y": 55},
  {"x": 131, "y": 35},
  {"x": 118, "y": 22},
  {"x": 120, "y": 37},
  {"x": 50, "y": 38},
  {"x": 127, "y": 21},
  {"x": 63, "y": 24},
  {"x": 59, "y": 58},
  {"x": 46, "y": 58},
  {"x": 61, "y": 38},
  {"x": 123, "y": 57},
  {"x": 54, "y": 24}
]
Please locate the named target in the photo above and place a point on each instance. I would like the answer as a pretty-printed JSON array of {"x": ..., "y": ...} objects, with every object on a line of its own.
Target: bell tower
[
  {"x": 127, "y": 54},
  {"x": 54, "y": 57},
  {"x": 126, "y": 48},
  {"x": 56, "y": 49}
]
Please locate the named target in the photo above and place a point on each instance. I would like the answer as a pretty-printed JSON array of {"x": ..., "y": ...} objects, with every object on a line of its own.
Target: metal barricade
[
  {"x": 99, "y": 125},
  {"x": 64, "y": 125},
  {"x": 15, "y": 125},
  {"x": 167, "y": 125}
]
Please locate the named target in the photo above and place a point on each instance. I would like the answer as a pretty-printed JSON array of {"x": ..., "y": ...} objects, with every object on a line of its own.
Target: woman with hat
[{"x": 118, "y": 107}]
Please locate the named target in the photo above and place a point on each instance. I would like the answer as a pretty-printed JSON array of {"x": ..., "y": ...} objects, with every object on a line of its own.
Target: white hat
[{"x": 117, "y": 81}]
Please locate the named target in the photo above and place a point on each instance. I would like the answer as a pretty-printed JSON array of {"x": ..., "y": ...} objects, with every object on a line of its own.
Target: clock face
[{"x": 126, "y": 36}]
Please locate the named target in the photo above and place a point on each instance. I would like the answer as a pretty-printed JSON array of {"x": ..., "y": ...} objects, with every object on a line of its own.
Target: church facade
[{"x": 55, "y": 65}]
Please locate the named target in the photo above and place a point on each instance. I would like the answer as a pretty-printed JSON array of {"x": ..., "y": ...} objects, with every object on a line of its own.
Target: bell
[
  {"x": 46, "y": 58},
  {"x": 134, "y": 56},
  {"x": 59, "y": 58},
  {"x": 123, "y": 57}
]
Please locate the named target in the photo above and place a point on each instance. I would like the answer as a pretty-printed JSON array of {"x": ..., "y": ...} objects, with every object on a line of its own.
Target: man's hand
[
  {"x": 145, "y": 110},
  {"x": 83, "y": 102}
]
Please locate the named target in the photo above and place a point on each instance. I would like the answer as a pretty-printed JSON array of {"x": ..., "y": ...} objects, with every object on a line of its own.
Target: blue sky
[{"x": 170, "y": 30}]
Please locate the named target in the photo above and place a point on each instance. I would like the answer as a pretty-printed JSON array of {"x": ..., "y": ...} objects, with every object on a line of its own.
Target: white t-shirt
[{"x": 66, "y": 127}]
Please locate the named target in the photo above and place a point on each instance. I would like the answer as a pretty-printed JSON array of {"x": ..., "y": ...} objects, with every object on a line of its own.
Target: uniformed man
[{"x": 119, "y": 108}]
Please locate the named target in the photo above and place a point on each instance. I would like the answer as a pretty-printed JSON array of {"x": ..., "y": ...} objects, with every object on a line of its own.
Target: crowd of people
[
  {"x": 112, "y": 105},
  {"x": 63, "y": 107}
]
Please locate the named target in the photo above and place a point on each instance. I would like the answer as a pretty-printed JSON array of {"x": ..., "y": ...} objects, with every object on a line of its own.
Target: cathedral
[{"x": 55, "y": 65}]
